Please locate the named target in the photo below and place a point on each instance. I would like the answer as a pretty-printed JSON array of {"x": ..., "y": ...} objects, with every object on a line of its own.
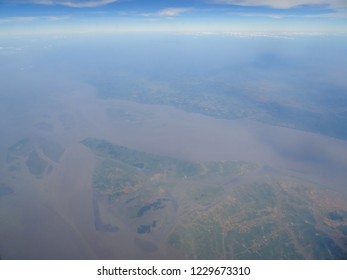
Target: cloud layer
[
  {"x": 76, "y": 3},
  {"x": 284, "y": 4}
]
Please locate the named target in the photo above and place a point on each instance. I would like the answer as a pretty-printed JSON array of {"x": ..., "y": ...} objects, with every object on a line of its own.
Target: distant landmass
[{"x": 318, "y": 110}]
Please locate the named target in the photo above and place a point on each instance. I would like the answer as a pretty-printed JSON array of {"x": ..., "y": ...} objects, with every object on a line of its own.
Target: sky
[{"x": 201, "y": 16}]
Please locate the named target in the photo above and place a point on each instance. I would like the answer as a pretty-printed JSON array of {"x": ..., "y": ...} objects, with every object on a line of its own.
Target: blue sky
[{"x": 244, "y": 16}]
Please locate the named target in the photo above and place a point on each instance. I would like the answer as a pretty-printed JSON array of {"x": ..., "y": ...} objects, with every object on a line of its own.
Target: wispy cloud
[
  {"x": 284, "y": 4},
  {"x": 273, "y": 16},
  {"x": 172, "y": 12},
  {"x": 168, "y": 12},
  {"x": 75, "y": 3},
  {"x": 9, "y": 49},
  {"x": 31, "y": 19}
]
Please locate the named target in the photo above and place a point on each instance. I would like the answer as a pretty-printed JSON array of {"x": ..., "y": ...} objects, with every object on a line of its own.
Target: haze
[{"x": 190, "y": 130}]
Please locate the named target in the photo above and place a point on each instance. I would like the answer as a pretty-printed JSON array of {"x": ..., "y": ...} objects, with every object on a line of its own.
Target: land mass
[{"x": 216, "y": 210}]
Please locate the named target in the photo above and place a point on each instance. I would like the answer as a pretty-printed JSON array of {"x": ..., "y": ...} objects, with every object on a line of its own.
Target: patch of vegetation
[
  {"x": 20, "y": 146},
  {"x": 36, "y": 165},
  {"x": 228, "y": 168},
  {"x": 207, "y": 196},
  {"x": 113, "y": 179},
  {"x": 151, "y": 164},
  {"x": 19, "y": 149},
  {"x": 257, "y": 195},
  {"x": 188, "y": 169},
  {"x": 198, "y": 238},
  {"x": 259, "y": 243}
]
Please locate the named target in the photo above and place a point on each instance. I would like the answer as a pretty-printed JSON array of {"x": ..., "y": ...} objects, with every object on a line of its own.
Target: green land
[{"x": 217, "y": 210}]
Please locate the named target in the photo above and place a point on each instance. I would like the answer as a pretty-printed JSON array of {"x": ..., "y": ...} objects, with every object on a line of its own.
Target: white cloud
[
  {"x": 273, "y": 16},
  {"x": 172, "y": 12},
  {"x": 284, "y": 4},
  {"x": 11, "y": 49},
  {"x": 168, "y": 12},
  {"x": 17, "y": 19},
  {"x": 75, "y": 3},
  {"x": 30, "y": 19}
]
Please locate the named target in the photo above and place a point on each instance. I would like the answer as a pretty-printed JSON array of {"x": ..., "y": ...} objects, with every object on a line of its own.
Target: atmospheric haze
[{"x": 173, "y": 132}]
